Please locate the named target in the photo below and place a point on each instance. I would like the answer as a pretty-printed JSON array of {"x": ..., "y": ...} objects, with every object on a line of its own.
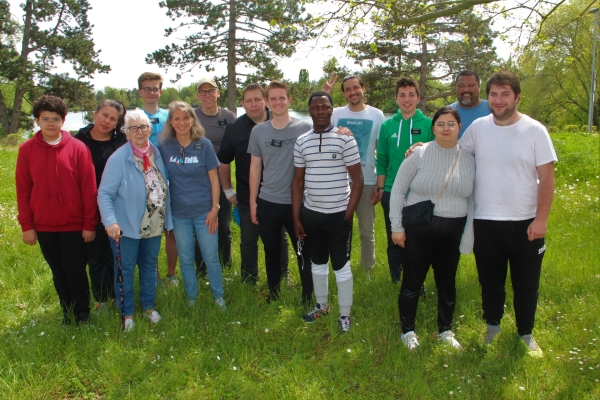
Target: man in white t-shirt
[
  {"x": 513, "y": 190},
  {"x": 364, "y": 121}
]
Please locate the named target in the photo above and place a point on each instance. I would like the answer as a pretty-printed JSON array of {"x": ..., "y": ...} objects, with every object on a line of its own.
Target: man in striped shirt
[{"x": 323, "y": 159}]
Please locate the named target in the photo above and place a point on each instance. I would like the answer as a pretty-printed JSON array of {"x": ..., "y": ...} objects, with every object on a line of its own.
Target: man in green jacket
[{"x": 397, "y": 134}]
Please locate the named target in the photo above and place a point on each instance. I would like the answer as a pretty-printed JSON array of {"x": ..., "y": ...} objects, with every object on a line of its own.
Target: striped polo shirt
[{"x": 325, "y": 157}]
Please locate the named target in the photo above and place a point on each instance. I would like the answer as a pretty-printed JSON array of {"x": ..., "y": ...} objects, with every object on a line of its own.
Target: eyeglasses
[
  {"x": 142, "y": 128},
  {"x": 205, "y": 92},
  {"x": 149, "y": 90},
  {"x": 442, "y": 125},
  {"x": 181, "y": 159}
]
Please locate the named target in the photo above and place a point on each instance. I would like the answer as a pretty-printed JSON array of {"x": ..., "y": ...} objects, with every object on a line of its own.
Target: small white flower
[
  {"x": 267, "y": 330},
  {"x": 349, "y": 350},
  {"x": 218, "y": 358},
  {"x": 42, "y": 333},
  {"x": 73, "y": 337},
  {"x": 522, "y": 387},
  {"x": 451, "y": 393},
  {"x": 445, "y": 366},
  {"x": 235, "y": 368}
]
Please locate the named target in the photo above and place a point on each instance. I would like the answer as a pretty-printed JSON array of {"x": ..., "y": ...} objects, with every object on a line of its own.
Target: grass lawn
[{"x": 260, "y": 351}]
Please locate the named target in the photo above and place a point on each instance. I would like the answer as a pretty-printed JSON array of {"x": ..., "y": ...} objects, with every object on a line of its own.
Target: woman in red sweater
[{"x": 56, "y": 199}]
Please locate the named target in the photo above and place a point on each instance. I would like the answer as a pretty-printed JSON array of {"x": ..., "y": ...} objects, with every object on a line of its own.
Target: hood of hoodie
[
  {"x": 51, "y": 156},
  {"x": 39, "y": 139},
  {"x": 419, "y": 116}
]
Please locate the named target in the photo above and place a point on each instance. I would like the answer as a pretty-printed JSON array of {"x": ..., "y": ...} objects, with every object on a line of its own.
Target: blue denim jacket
[{"x": 122, "y": 192}]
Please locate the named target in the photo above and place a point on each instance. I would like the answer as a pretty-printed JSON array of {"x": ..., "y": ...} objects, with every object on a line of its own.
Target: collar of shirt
[{"x": 329, "y": 128}]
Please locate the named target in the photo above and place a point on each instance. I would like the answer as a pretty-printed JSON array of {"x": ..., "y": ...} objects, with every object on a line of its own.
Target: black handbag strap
[{"x": 449, "y": 176}]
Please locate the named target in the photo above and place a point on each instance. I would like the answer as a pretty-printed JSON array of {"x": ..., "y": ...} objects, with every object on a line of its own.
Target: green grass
[{"x": 264, "y": 351}]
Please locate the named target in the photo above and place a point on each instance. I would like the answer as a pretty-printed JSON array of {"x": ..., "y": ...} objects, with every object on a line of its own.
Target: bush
[{"x": 12, "y": 140}]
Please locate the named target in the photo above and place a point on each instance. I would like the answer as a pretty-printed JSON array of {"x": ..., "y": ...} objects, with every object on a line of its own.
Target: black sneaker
[
  {"x": 315, "y": 313},
  {"x": 345, "y": 324}
]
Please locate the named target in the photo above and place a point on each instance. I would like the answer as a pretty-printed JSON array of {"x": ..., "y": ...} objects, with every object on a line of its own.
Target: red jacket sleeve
[
  {"x": 89, "y": 192},
  {"x": 24, "y": 185}
]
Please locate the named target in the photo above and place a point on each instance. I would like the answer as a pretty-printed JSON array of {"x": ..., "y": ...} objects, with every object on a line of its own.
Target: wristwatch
[
  {"x": 380, "y": 189},
  {"x": 217, "y": 206}
]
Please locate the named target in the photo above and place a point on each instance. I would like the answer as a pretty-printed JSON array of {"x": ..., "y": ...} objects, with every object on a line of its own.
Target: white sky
[{"x": 127, "y": 30}]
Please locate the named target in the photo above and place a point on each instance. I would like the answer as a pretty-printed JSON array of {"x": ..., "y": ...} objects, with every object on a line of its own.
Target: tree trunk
[
  {"x": 4, "y": 115},
  {"x": 231, "y": 74},
  {"x": 22, "y": 83},
  {"x": 423, "y": 75}
]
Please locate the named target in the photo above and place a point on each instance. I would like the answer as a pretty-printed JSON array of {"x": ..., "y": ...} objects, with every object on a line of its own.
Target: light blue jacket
[{"x": 122, "y": 192}]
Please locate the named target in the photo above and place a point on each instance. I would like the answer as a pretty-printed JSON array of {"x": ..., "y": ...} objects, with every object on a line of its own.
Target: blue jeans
[
  {"x": 144, "y": 253},
  {"x": 184, "y": 236}
]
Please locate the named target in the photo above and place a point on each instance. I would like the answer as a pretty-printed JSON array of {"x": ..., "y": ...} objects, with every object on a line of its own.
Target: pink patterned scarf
[{"x": 142, "y": 152}]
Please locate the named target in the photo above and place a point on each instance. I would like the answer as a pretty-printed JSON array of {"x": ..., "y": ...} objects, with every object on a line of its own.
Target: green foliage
[
  {"x": 265, "y": 351},
  {"x": 242, "y": 34},
  {"x": 556, "y": 68},
  {"x": 52, "y": 30}
]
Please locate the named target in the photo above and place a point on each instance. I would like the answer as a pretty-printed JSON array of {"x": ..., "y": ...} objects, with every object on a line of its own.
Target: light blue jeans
[
  {"x": 144, "y": 253},
  {"x": 184, "y": 236}
]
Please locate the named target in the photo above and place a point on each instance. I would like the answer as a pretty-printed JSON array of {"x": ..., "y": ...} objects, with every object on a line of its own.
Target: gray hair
[{"x": 136, "y": 115}]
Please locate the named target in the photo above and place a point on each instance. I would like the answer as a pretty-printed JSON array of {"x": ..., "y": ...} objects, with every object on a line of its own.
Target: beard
[
  {"x": 504, "y": 115},
  {"x": 465, "y": 102}
]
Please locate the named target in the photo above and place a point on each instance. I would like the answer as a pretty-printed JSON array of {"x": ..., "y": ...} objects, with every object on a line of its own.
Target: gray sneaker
[
  {"x": 221, "y": 303},
  {"x": 492, "y": 331},
  {"x": 532, "y": 346}
]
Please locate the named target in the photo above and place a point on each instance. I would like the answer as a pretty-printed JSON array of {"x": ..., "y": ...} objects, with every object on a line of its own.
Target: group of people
[{"x": 482, "y": 170}]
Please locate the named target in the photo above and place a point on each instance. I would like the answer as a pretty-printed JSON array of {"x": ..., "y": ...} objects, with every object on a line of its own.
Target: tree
[
  {"x": 556, "y": 67},
  {"x": 240, "y": 33},
  {"x": 51, "y": 29}
]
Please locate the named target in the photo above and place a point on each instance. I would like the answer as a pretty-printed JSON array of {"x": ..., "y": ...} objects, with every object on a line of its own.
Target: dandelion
[
  {"x": 267, "y": 330},
  {"x": 235, "y": 368},
  {"x": 451, "y": 393},
  {"x": 349, "y": 350},
  {"x": 42, "y": 333}
]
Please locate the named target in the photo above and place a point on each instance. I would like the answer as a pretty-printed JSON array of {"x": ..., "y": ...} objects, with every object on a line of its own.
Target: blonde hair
[{"x": 196, "y": 131}]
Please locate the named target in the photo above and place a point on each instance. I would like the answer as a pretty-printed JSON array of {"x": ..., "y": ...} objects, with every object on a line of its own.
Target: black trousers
[
  {"x": 249, "y": 233},
  {"x": 394, "y": 252},
  {"x": 224, "y": 236},
  {"x": 271, "y": 218},
  {"x": 66, "y": 254},
  {"x": 329, "y": 235},
  {"x": 101, "y": 265},
  {"x": 499, "y": 244},
  {"x": 435, "y": 245}
]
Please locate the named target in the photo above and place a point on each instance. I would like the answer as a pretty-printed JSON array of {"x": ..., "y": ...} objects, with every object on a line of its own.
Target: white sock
[
  {"x": 345, "y": 284},
  {"x": 320, "y": 275}
]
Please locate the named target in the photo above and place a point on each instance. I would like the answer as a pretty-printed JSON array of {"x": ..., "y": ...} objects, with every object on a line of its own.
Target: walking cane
[{"x": 120, "y": 280}]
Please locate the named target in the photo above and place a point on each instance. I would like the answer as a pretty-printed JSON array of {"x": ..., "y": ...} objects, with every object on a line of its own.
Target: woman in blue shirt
[{"x": 194, "y": 184}]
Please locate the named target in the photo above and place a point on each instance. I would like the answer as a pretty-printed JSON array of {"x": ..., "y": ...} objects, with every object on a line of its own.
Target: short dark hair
[
  {"x": 404, "y": 82},
  {"x": 467, "y": 72},
  {"x": 278, "y": 85},
  {"x": 254, "y": 86},
  {"x": 49, "y": 103},
  {"x": 150, "y": 76},
  {"x": 353, "y": 76},
  {"x": 117, "y": 105},
  {"x": 445, "y": 110},
  {"x": 320, "y": 93},
  {"x": 504, "y": 78}
]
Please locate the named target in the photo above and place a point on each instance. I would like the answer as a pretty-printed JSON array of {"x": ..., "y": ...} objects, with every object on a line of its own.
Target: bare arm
[
  {"x": 255, "y": 172},
  {"x": 327, "y": 87},
  {"x": 212, "y": 219},
  {"x": 225, "y": 178},
  {"x": 537, "y": 229},
  {"x": 297, "y": 192},
  {"x": 356, "y": 189}
]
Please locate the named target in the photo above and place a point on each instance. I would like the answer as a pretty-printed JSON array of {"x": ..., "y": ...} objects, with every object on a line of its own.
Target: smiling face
[
  {"x": 467, "y": 91},
  {"x": 106, "y": 119},
  {"x": 254, "y": 104},
  {"x": 208, "y": 95},
  {"x": 320, "y": 110},
  {"x": 353, "y": 91},
  {"x": 139, "y": 138},
  {"x": 50, "y": 124},
  {"x": 278, "y": 101},
  {"x": 181, "y": 122},
  {"x": 407, "y": 99},
  {"x": 503, "y": 102},
  {"x": 150, "y": 91},
  {"x": 446, "y": 129}
]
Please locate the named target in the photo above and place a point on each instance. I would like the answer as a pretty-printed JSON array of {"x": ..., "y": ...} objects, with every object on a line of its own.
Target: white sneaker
[
  {"x": 410, "y": 340},
  {"x": 129, "y": 324},
  {"x": 221, "y": 303},
  {"x": 153, "y": 316},
  {"x": 448, "y": 337},
  {"x": 532, "y": 346}
]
